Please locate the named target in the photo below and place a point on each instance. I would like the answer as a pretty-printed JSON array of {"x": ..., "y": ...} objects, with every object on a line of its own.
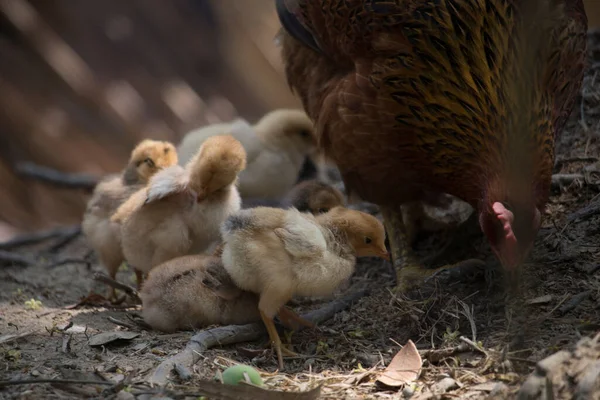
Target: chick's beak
[{"x": 384, "y": 254}]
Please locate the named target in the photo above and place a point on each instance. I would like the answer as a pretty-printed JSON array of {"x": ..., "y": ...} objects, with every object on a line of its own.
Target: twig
[
  {"x": 435, "y": 356},
  {"x": 65, "y": 239},
  {"x": 64, "y": 381},
  {"x": 575, "y": 301},
  {"x": 9, "y": 337},
  {"x": 67, "y": 260},
  {"x": 117, "y": 285},
  {"x": 586, "y": 212},
  {"x": 66, "y": 344},
  {"x": 474, "y": 345},
  {"x": 560, "y": 162},
  {"x": 226, "y": 335},
  {"x": 211, "y": 389},
  {"x": 121, "y": 323},
  {"x": 57, "y": 178},
  {"x": 14, "y": 258},
  {"x": 561, "y": 180},
  {"x": 36, "y": 237}
]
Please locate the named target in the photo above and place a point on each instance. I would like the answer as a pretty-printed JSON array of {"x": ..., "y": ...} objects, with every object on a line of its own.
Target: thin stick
[
  {"x": 117, "y": 285},
  {"x": 36, "y": 237},
  {"x": 226, "y": 335},
  {"x": 57, "y": 178},
  {"x": 14, "y": 258},
  {"x": 63, "y": 381}
]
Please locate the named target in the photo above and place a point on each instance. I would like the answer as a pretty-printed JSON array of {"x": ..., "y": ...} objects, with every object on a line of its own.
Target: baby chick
[
  {"x": 104, "y": 236},
  {"x": 276, "y": 148},
  {"x": 181, "y": 209},
  {"x": 308, "y": 196},
  {"x": 279, "y": 254},
  {"x": 193, "y": 292}
]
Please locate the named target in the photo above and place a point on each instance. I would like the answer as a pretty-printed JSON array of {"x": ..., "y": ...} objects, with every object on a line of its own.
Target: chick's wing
[
  {"x": 170, "y": 181},
  {"x": 301, "y": 237}
]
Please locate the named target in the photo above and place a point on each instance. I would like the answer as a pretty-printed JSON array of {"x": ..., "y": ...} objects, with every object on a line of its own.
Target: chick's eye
[
  {"x": 304, "y": 133},
  {"x": 322, "y": 210},
  {"x": 368, "y": 240},
  {"x": 149, "y": 162}
]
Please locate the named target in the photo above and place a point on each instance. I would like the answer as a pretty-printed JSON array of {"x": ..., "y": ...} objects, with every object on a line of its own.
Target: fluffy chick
[
  {"x": 193, "y": 292},
  {"x": 279, "y": 254},
  {"x": 276, "y": 148},
  {"x": 181, "y": 210},
  {"x": 308, "y": 196},
  {"x": 104, "y": 236}
]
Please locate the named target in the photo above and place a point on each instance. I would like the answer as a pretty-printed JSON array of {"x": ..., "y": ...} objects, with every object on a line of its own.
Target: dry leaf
[
  {"x": 404, "y": 368},
  {"x": 540, "y": 300},
  {"x": 108, "y": 337}
]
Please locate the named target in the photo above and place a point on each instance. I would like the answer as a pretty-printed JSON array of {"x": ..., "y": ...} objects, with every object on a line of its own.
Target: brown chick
[
  {"x": 104, "y": 236},
  {"x": 276, "y": 148},
  {"x": 279, "y": 254},
  {"x": 308, "y": 196},
  {"x": 193, "y": 292},
  {"x": 181, "y": 210}
]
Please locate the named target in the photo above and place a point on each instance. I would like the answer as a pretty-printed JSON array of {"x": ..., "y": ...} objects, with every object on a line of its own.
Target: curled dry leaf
[{"x": 404, "y": 368}]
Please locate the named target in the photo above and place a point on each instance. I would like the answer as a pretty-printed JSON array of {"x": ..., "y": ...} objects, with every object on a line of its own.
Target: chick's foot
[{"x": 410, "y": 272}]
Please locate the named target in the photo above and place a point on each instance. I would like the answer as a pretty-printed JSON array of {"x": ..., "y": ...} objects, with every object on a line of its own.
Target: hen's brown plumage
[{"x": 412, "y": 98}]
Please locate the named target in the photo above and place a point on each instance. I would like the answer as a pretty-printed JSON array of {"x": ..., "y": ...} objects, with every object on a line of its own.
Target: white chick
[
  {"x": 104, "y": 236},
  {"x": 276, "y": 148},
  {"x": 279, "y": 254},
  {"x": 193, "y": 292},
  {"x": 307, "y": 196},
  {"x": 181, "y": 210}
]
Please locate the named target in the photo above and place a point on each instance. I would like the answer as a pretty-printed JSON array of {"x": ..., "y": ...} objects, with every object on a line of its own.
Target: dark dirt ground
[{"x": 561, "y": 306}]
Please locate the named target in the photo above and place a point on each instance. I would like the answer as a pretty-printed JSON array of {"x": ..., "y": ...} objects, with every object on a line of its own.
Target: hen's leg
[
  {"x": 409, "y": 271},
  {"x": 292, "y": 320},
  {"x": 456, "y": 235}
]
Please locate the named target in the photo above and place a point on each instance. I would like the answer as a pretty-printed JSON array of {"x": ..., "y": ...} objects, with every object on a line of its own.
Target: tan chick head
[
  {"x": 365, "y": 233},
  {"x": 147, "y": 158},
  {"x": 288, "y": 129},
  {"x": 216, "y": 165},
  {"x": 314, "y": 197}
]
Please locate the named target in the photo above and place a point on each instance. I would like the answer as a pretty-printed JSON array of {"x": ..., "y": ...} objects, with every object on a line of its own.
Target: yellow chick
[
  {"x": 104, "y": 236},
  {"x": 193, "y": 292},
  {"x": 308, "y": 196},
  {"x": 276, "y": 148},
  {"x": 279, "y": 254},
  {"x": 181, "y": 209}
]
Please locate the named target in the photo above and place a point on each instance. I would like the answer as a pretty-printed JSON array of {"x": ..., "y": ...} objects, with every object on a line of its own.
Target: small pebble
[
  {"x": 444, "y": 386},
  {"x": 407, "y": 392},
  {"x": 122, "y": 395},
  {"x": 35, "y": 372}
]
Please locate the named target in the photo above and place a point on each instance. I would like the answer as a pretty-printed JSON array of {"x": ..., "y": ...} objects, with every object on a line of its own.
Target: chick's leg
[
  {"x": 272, "y": 299},
  {"x": 409, "y": 270},
  {"x": 275, "y": 340},
  {"x": 139, "y": 277},
  {"x": 292, "y": 320}
]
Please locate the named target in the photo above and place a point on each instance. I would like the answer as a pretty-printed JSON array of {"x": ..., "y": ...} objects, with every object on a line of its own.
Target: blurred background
[{"x": 81, "y": 82}]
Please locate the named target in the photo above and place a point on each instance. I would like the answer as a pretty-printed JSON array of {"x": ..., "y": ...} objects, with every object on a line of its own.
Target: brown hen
[{"x": 413, "y": 98}]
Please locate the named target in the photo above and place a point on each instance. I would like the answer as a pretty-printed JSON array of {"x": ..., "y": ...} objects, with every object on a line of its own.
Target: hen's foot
[
  {"x": 457, "y": 237},
  {"x": 413, "y": 274},
  {"x": 409, "y": 271}
]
